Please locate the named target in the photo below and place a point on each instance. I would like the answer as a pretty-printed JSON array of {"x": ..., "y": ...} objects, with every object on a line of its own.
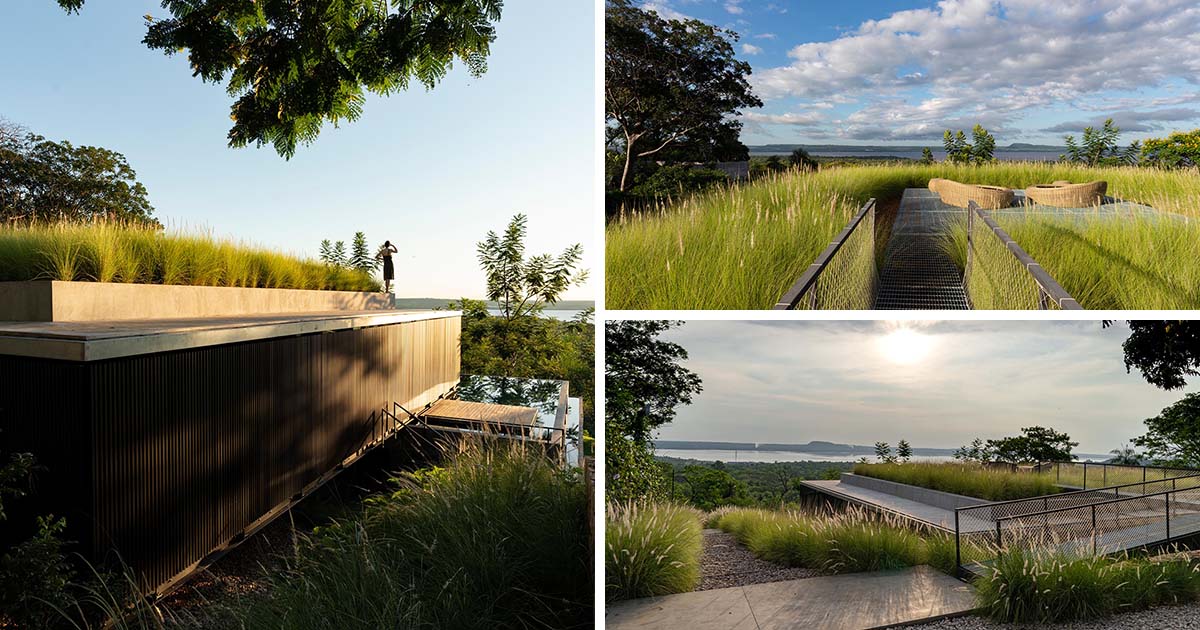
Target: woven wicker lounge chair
[
  {"x": 987, "y": 197},
  {"x": 1063, "y": 194}
]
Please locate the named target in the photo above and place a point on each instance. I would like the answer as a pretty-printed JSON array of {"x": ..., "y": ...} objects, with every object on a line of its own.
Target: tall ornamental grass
[
  {"x": 651, "y": 549},
  {"x": 499, "y": 538},
  {"x": 965, "y": 479},
  {"x": 1045, "y": 587},
  {"x": 115, "y": 252},
  {"x": 837, "y": 542},
  {"x": 741, "y": 246},
  {"x": 1104, "y": 262}
]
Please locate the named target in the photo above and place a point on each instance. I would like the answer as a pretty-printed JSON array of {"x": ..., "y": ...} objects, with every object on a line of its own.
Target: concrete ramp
[{"x": 855, "y": 601}]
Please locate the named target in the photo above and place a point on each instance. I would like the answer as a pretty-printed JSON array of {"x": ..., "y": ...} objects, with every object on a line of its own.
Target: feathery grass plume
[
  {"x": 111, "y": 251},
  {"x": 1042, "y": 585},
  {"x": 497, "y": 537},
  {"x": 651, "y": 549},
  {"x": 970, "y": 480}
]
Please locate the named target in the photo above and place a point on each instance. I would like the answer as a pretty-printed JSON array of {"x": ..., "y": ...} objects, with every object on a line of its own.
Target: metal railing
[
  {"x": 844, "y": 275},
  {"x": 1077, "y": 475},
  {"x": 1098, "y": 520},
  {"x": 999, "y": 274}
]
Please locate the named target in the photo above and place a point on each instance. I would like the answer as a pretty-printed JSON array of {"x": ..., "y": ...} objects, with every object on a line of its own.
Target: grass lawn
[
  {"x": 967, "y": 480},
  {"x": 742, "y": 246},
  {"x": 111, "y": 252}
]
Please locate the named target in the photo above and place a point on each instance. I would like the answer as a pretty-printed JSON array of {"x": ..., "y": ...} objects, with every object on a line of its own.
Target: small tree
[
  {"x": 522, "y": 286},
  {"x": 802, "y": 160},
  {"x": 338, "y": 257},
  {"x": 326, "y": 252},
  {"x": 1036, "y": 444},
  {"x": 360, "y": 256},
  {"x": 958, "y": 150},
  {"x": 983, "y": 145},
  {"x": 883, "y": 453},
  {"x": 1099, "y": 147},
  {"x": 1173, "y": 436},
  {"x": 1125, "y": 455},
  {"x": 904, "y": 451},
  {"x": 927, "y": 156},
  {"x": 976, "y": 451}
]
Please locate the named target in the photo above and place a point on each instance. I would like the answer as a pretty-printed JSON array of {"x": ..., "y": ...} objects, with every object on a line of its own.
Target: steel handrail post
[
  {"x": 1168, "y": 518},
  {"x": 957, "y": 547},
  {"x": 1093, "y": 529}
]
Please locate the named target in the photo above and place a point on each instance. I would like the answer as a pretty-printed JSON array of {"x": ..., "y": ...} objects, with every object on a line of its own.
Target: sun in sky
[{"x": 905, "y": 345}]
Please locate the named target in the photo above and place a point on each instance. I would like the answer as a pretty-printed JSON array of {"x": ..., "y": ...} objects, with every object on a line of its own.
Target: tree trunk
[{"x": 629, "y": 140}]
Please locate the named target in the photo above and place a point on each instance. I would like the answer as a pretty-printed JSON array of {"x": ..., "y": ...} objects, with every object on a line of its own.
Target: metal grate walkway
[{"x": 917, "y": 273}]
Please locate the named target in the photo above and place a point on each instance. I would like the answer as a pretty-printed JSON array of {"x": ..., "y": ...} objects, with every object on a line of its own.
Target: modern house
[{"x": 170, "y": 436}]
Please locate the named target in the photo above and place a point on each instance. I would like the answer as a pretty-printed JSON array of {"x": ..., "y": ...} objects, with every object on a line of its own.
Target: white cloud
[
  {"x": 799, "y": 119},
  {"x": 991, "y": 60},
  {"x": 734, "y": 7},
  {"x": 664, "y": 9},
  {"x": 750, "y": 49},
  {"x": 765, "y": 36}
]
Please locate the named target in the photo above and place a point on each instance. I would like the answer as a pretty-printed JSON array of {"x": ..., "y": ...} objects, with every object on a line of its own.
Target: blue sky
[
  {"x": 935, "y": 384},
  {"x": 900, "y": 72},
  {"x": 431, "y": 171}
]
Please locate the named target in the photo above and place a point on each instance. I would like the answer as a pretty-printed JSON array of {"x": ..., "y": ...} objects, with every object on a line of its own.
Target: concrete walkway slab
[
  {"x": 912, "y": 510},
  {"x": 840, "y": 602}
]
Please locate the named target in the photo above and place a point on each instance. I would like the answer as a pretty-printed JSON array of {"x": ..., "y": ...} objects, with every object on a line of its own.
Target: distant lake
[
  {"x": 798, "y": 456},
  {"x": 564, "y": 315},
  {"x": 915, "y": 154}
]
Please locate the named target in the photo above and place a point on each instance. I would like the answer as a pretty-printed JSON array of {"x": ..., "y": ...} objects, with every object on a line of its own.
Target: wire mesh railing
[
  {"x": 1099, "y": 520},
  {"x": 844, "y": 276},
  {"x": 1000, "y": 275},
  {"x": 1086, "y": 475}
]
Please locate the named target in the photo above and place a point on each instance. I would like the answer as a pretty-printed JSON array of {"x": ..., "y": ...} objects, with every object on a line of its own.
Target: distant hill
[
  {"x": 428, "y": 303},
  {"x": 816, "y": 447},
  {"x": 854, "y": 149}
]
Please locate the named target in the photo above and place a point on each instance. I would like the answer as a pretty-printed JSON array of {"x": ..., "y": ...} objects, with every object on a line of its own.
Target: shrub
[
  {"x": 964, "y": 479},
  {"x": 496, "y": 539},
  {"x": 651, "y": 549},
  {"x": 1046, "y": 587},
  {"x": 1179, "y": 150},
  {"x": 835, "y": 542}
]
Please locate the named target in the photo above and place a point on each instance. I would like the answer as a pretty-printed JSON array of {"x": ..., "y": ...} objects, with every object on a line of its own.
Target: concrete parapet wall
[
  {"x": 936, "y": 498},
  {"x": 56, "y": 301}
]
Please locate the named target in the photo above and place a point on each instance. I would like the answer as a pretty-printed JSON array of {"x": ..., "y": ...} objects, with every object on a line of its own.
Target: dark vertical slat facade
[{"x": 164, "y": 458}]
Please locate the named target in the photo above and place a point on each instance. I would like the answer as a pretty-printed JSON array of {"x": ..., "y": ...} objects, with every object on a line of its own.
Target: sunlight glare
[{"x": 905, "y": 346}]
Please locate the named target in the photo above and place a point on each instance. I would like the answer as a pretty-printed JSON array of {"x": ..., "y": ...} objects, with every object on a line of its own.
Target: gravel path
[
  {"x": 727, "y": 563},
  {"x": 1185, "y": 616}
]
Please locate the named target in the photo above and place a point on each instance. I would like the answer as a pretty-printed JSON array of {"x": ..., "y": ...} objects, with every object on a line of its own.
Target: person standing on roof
[{"x": 389, "y": 271}]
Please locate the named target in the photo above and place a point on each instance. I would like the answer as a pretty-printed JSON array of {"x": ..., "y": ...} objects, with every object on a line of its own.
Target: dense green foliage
[
  {"x": 1034, "y": 445},
  {"x": 1178, "y": 150},
  {"x": 523, "y": 286},
  {"x": 1165, "y": 352},
  {"x": 293, "y": 66},
  {"x": 43, "y": 180},
  {"x": 530, "y": 346},
  {"x": 959, "y": 151},
  {"x": 1173, "y": 436},
  {"x": 496, "y": 539},
  {"x": 115, "y": 252},
  {"x": 965, "y": 479},
  {"x": 670, "y": 82},
  {"x": 836, "y": 542},
  {"x": 765, "y": 484},
  {"x": 1044, "y": 587},
  {"x": 644, "y": 381},
  {"x": 650, "y": 549},
  {"x": 1099, "y": 147},
  {"x": 631, "y": 472},
  {"x": 741, "y": 247}
]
